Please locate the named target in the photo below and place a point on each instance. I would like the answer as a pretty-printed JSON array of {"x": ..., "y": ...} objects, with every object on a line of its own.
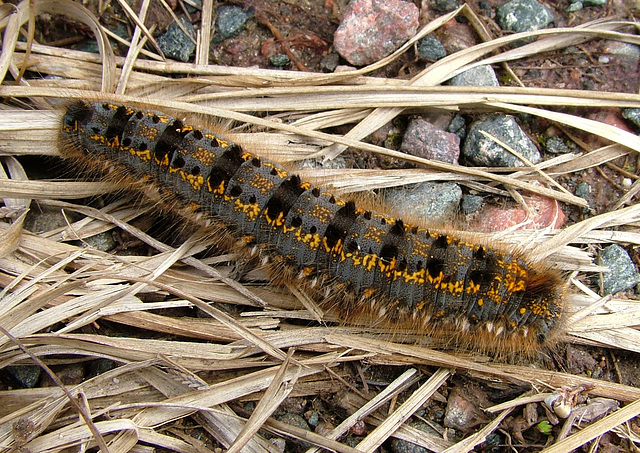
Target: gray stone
[
  {"x": 622, "y": 273},
  {"x": 193, "y": 6},
  {"x": 574, "y": 6},
  {"x": 429, "y": 200},
  {"x": 555, "y": 145},
  {"x": 471, "y": 203},
  {"x": 48, "y": 219},
  {"x": 523, "y": 15},
  {"x": 279, "y": 60},
  {"x": 479, "y": 149},
  {"x": 338, "y": 163},
  {"x": 230, "y": 21},
  {"x": 445, "y": 6},
  {"x": 330, "y": 62},
  {"x": 628, "y": 51},
  {"x": 632, "y": 115},
  {"x": 583, "y": 190},
  {"x": 430, "y": 48},
  {"x": 458, "y": 126},
  {"x": 175, "y": 43},
  {"x": 594, "y": 2},
  {"x": 103, "y": 241},
  {"x": 27, "y": 376},
  {"x": 480, "y": 76}
]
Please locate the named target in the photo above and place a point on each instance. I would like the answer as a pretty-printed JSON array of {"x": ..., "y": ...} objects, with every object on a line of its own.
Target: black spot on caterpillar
[{"x": 366, "y": 266}]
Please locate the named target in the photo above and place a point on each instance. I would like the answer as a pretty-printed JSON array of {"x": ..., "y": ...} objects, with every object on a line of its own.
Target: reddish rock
[
  {"x": 463, "y": 408},
  {"x": 423, "y": 139},
  {"x": 372, "y": 29},
  {"x": 545, "y": 211},
  {"x": 610, "y": 116},
  {"x": 455, "y": 37}
]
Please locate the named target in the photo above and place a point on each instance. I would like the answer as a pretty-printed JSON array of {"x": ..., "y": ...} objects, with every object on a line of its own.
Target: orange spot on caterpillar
[{"x": 370, "y": 268}]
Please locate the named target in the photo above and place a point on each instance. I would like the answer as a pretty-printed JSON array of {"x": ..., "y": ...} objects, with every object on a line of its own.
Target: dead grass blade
[
  {"x": 216, "y": 394},
  {"x": 268, "y": 404},
  {"x": 406, "y": 410},
  {"x": 393, "y": 389},
  {"x": 10, "y": 237}
]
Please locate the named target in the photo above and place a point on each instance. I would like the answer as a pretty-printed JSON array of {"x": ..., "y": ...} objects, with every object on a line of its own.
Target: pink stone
[
  {"x": 546, "y": 211},
  {"x": 423, "y": 139},
  {"x": 372, "y": 29}
]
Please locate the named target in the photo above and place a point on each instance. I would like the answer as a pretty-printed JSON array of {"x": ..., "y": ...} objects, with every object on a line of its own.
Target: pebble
[
  {"x": 458, "y": 126},
  {"x": 455, "y": 37},
  {"x": 545, "y": 212},
  {"x": 461, "y": 414},
  {"x": 523, "y": 15},
  {"x": 480, "y": 76},
  {"x": 574, "y": 6},
  {"x": 47, "y": 219},
  {"x": 279, "y": 60},
  {"x": 429, "y": 200},
  {"x": 629, "y": 51},
  {"x": 175, "y": 43},
  {"x": 555, "y": 145},
  {"x": 230, "y": 21},
  {"x": 26, "y": 376},
  {"x": 404, "y": 446},
  {"x": 312, "y": 418},
  {"x": 279, "y": 443},
  {"x": 310, "y": 164},
  {"x": 622, "y": 49},
  {"x": 622, "y": 274},
  {"x": 423, "y": 139},
  {"x": 324, "y": 428},
  {"x": 429, "y": 48},
  {"x": 471, "y": 203},
  {"x": 330, "y": 62},
  {"x": 192, "y": 9},
  {"x": 102, "y": 241},
  {"x": 583, "y": 190},
  {"x": 594, "y": 2},
  {"x": 359, "y": 428},
  {"x": 632, "y": 115},
  {"x": 445, "y": 6},
  {"x": 481, "y": 150},
  {"x": 372, "y": 29},
  {"x": 295, "y": 420},
  {"x": 493, "y": 442}
]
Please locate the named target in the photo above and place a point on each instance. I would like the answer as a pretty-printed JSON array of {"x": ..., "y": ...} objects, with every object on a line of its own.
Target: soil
[{"x": 304, "y": 29}]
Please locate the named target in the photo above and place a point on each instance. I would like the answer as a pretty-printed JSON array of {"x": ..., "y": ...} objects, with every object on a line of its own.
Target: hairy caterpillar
[{"x": 367, "y": 266}]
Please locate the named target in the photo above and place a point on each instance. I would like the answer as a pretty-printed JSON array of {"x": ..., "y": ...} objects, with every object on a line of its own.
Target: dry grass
[{"x": 53, "y": 288}]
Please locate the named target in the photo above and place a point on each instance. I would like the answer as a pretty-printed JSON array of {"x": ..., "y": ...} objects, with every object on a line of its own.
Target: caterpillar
[{"x": 368, "y": 267}]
